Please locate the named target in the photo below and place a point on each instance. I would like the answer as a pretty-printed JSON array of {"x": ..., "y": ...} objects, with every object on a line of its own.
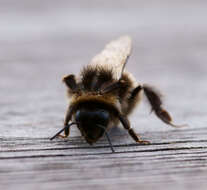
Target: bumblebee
[{"x": 104, "y": 94}]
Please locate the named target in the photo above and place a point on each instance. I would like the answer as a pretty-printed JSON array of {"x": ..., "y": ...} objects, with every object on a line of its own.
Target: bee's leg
[
  {"x": 68, "y": 117},
  {"x": 135, "y": 92},
  {"x": 66, "y": 133},
  {"x": 155, "y": 101},
  {"x": 64, "y": 128},
  {"x": 133, "y": 99},
  {"x": 70, "y": 82},
  {"x": 126, "y": 124}
]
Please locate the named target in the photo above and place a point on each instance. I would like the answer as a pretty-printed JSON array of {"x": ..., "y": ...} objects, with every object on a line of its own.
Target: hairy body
[{"x": 104, "y": 94}]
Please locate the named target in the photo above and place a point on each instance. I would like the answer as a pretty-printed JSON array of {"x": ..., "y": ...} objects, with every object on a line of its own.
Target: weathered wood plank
[{"x": 180, "y": 157}]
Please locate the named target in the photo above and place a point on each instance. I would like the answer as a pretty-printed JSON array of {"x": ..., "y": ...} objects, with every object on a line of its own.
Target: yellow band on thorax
[{"x": 89, "y": 96}]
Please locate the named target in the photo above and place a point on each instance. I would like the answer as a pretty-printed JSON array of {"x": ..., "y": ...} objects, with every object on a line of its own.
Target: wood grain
[{"x": 176, "y": 157}]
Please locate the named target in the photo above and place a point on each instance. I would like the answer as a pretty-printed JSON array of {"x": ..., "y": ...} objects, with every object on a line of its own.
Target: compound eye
[
  {"x": 102, "y": 117},
  {"x": 93, "y": 117},
  {"x": 78, "y": 116}
]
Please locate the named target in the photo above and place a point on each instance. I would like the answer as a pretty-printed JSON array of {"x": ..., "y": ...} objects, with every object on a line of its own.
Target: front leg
[
  {"x": 66, "y": 128},
  {"x": 126, "y": 124},
  {"x": 68, "y": 117}
]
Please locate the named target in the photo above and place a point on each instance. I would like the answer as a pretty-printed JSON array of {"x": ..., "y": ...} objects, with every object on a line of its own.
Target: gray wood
[{"x": 41, "y": 41}]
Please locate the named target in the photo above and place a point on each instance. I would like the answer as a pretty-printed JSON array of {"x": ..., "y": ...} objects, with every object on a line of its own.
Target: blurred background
[{"x": 42, "y": 40}]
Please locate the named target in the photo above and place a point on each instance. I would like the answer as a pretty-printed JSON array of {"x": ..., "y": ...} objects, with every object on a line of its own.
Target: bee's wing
[{"x": 114, "y": 56}]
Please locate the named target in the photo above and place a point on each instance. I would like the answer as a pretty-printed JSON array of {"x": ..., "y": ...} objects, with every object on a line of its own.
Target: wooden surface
[{"x": 40, "y": 41}]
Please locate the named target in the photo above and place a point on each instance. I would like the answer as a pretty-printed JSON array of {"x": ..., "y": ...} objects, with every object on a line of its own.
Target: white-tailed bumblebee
[{"x": 104, "y": 94}]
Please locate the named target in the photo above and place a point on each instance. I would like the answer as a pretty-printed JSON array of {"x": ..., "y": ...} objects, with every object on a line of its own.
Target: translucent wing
[{"x": 114, "y": 56}]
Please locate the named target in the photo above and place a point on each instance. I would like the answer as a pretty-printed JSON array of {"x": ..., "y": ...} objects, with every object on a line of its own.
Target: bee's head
[{"x": 89, "y": 122}]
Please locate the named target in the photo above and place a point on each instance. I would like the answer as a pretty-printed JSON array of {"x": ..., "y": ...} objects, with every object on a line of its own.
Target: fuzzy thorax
[{"x": 94, "y": 97}]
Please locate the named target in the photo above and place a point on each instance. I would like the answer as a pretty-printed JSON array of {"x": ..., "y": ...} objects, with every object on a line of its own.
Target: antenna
[
  {"x": 108, "y": 138},
  {"x": 67, "y": 126}
]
